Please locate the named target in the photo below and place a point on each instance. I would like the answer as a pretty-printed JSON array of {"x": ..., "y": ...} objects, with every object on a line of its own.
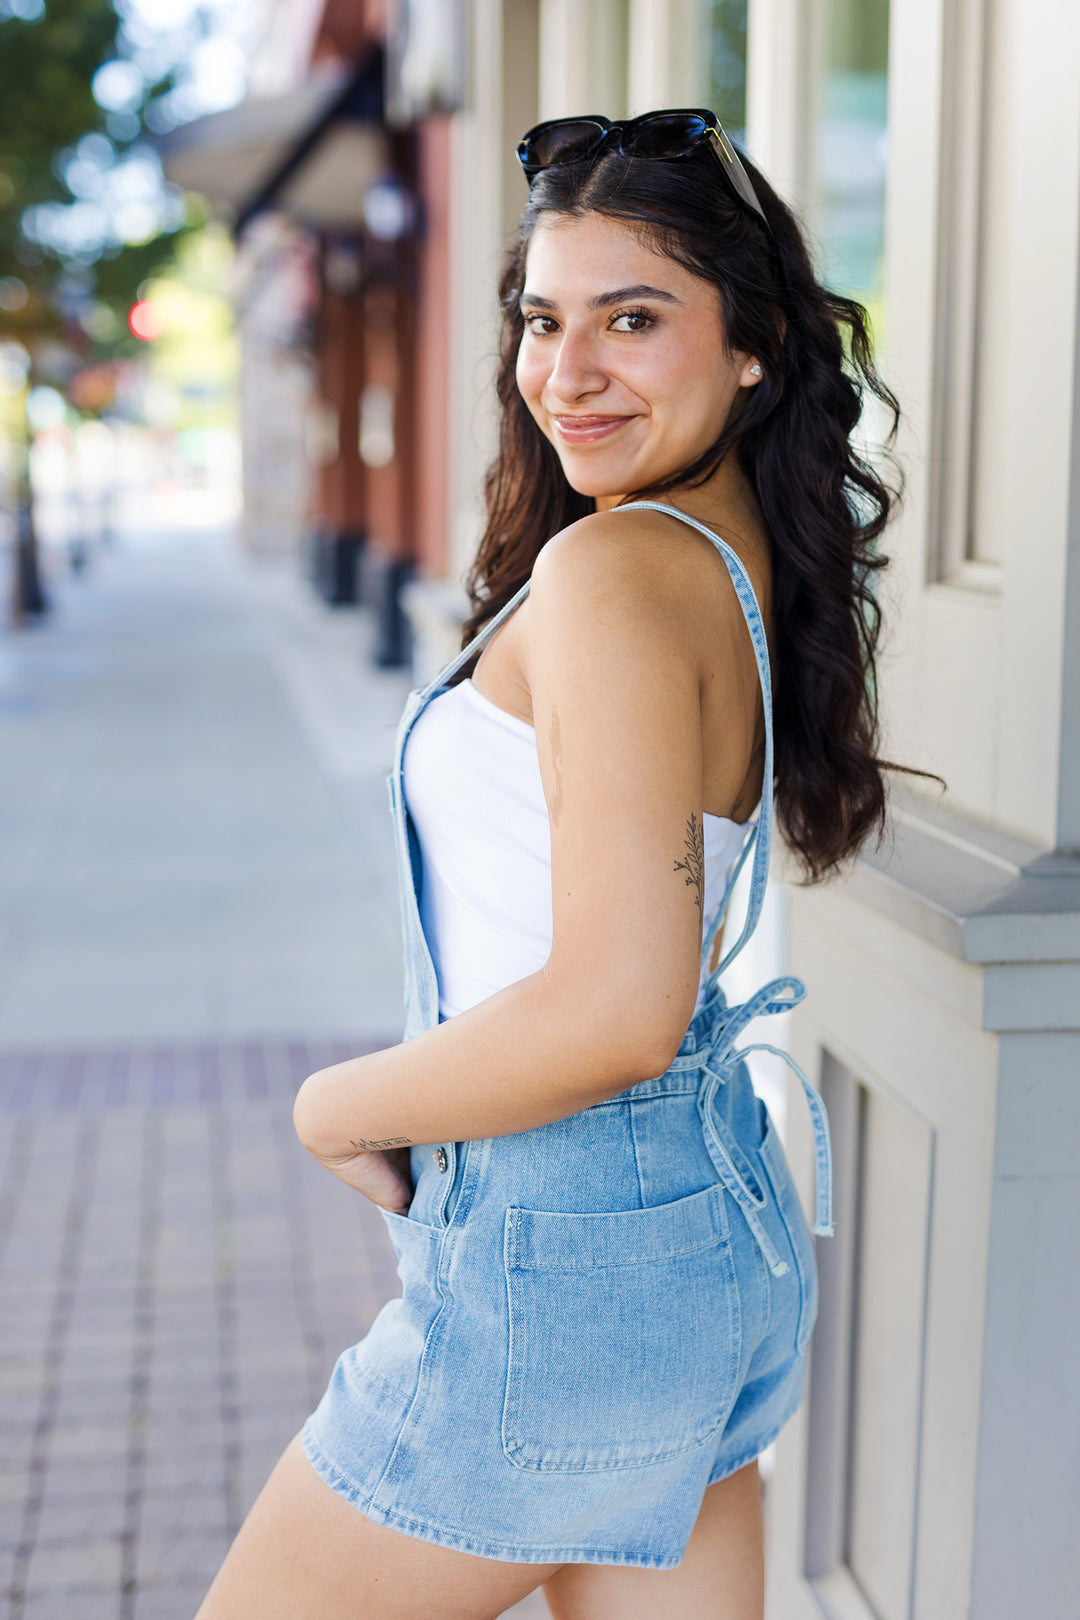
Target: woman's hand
[{"x": 380, "y": 1174}]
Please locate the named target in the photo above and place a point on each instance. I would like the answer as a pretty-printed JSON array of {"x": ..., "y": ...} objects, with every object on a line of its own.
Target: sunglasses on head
[{"x": 663, "y": 135}]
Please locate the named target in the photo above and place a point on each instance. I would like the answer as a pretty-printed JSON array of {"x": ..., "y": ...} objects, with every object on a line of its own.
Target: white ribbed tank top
[{"x": 473, "y": 789}]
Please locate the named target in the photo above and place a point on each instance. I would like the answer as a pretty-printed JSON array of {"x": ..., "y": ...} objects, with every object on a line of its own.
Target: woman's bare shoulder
[{"x": 638, "y": 562}]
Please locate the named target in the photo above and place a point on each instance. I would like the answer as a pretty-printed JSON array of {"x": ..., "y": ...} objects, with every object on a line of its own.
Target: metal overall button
[{"x": 441, "y": 1160}]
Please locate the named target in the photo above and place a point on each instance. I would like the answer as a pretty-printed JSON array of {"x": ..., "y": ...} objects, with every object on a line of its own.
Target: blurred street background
[
  {"x": 248, "y": 330},
  {"x": 197, "y": 895},
  {"x": 198, "y": 909}
]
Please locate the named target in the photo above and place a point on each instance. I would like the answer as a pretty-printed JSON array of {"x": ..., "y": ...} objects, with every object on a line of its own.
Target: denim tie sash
[{"x": 718, "y": 1059}]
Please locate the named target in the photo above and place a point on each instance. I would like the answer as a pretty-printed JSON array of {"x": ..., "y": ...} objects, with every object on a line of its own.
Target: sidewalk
[
  {"x": 198, "y": 907},
  {"x": 194, "y": 840}
]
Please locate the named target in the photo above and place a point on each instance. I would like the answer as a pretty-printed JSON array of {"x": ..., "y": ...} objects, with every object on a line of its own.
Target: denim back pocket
[{"x": 624, "y": 1334}]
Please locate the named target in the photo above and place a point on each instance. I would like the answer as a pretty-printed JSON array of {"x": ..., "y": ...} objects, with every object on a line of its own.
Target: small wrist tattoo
[
  {"x": 694, "y": 864},
  {"x": 390, "y": 1142}
]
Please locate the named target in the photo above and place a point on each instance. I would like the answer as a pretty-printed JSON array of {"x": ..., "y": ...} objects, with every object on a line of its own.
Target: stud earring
[{"x": 755, "y": 370}]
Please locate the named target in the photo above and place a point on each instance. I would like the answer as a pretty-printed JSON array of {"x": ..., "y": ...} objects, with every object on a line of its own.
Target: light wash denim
[{"x": 599, "y": 1317}]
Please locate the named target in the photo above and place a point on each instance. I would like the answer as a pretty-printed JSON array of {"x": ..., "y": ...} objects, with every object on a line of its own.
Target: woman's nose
[{"x": 576, "y": 370}]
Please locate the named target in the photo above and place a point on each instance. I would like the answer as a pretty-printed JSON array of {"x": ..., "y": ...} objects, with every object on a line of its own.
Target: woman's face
[{"x": 622, "y": 361}]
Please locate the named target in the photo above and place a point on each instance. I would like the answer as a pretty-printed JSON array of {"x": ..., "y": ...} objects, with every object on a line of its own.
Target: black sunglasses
[{"x": 663, "y": 135}]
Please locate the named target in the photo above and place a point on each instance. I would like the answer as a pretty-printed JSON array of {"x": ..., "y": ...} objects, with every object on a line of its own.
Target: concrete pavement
[
  {"x": 198, "y": 907},
  {"x": 193, "y": 830}
]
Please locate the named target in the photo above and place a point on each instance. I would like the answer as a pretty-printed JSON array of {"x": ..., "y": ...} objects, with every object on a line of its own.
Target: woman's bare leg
[
  {"x": 721, "y": 1578},
  {"x": 304, "y": 1554}
]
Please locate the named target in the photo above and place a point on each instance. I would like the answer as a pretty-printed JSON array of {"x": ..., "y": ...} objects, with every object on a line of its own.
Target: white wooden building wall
[{"x": 931, "y": 1474}]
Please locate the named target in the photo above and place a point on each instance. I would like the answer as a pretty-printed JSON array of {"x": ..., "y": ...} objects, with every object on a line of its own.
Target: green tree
[{"x": 49, "y": 53}]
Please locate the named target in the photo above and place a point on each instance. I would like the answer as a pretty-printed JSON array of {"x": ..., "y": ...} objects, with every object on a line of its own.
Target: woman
[{"x": 609, "y": 1286}]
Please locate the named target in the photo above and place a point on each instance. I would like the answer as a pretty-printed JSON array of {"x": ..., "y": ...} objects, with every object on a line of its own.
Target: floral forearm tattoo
[{"x": 694, "y": 864}]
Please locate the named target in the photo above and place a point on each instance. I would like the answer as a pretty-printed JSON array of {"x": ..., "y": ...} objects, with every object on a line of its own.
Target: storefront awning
[{"x": 312, "y": 153}]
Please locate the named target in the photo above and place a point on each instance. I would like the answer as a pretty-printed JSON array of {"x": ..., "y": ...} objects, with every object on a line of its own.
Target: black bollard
[{"x": 30, "y": 598}]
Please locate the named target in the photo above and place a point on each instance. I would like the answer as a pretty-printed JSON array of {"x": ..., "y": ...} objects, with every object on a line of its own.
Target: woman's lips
[{"x": 587, "y": 429}]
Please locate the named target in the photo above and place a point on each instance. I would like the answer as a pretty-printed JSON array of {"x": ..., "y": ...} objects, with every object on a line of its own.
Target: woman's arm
[{"x": 612, "y": 661}]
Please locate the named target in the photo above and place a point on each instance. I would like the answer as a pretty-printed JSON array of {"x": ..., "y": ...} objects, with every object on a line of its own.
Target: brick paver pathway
[{"x": 176, "y": 1280}]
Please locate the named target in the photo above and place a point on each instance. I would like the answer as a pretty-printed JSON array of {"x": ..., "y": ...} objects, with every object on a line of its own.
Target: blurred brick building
[{"x": 335, "y": 174}]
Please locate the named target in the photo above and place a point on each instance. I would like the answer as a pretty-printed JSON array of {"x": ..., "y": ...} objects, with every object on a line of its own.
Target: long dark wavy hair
[{"x": 824, "y": 503}]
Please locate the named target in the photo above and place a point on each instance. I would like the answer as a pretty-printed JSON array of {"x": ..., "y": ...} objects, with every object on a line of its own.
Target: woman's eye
[
  {"x": 540, "y": 325},
  {"x": 632, "y": 320}
]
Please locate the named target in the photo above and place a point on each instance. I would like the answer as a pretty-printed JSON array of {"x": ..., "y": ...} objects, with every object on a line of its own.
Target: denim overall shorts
[{"x": 600, "y": 1317}]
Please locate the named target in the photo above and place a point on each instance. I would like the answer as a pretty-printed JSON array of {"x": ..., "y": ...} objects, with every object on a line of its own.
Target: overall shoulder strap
[
  {"x": 761, "y": 833},
  {"x": 478, "y": 642}
]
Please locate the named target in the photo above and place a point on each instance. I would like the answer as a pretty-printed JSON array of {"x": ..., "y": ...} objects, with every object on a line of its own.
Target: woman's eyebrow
[
  {"x": 639, "y": 290},
  {"x": 602, "y": 300}
]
